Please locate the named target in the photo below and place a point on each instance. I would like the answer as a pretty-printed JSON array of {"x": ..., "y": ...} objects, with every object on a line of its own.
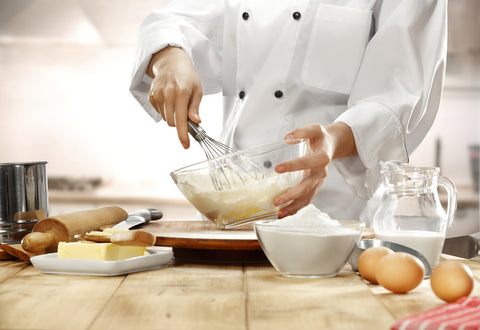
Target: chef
[{"x": 361, "y": 79}]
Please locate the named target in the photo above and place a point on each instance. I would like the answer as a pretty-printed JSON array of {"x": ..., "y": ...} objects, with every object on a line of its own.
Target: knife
[
  {"x": 139, "y": 217},
  {"x": 466, "y": 246}
]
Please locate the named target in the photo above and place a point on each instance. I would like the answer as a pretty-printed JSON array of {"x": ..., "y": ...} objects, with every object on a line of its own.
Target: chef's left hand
[{"x": 326, "y": 144}]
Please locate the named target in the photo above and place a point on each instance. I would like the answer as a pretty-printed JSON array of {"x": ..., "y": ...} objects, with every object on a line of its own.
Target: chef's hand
[
  {"x": 326, "y": 143},
  {"x": 176, "y": 89}
]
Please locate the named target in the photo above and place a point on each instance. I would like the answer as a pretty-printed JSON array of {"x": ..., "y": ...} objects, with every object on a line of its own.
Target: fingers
[
  {"x": 180, "y": 119},
  {"x": 293, "y": 165},
  {"x": 293, "y": 208},
  {"x": 298, "y": 197},
  {"x": 195, "y": 100},
  {"x": 186, "y": 106},
  {"x": 176, "y": 102},
  {"x": 156, "y": 100},
  {"x": 316, "y": 163},
  {"x": 311, "y": 131},
  {"x": 314, "y": 160},
  {"x": 302, "y": 194},
  {"x": 176, "y": 89},
  {"x": 308, "y": 185},
  {"x": 170, "y": 106}
]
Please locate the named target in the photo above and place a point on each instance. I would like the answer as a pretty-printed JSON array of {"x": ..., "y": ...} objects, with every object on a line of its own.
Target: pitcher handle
[{"x": 452, "y": 197}]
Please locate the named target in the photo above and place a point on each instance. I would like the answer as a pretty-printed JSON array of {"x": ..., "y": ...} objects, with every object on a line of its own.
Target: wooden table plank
[
  {"x": 186, "y": 296},
  {"x": 33, "y": 300},
  {"x": 400, "y": 305},
  {"x": 9, "y": 268},
  {"x": 202, "y": 235},
  {"x": 342, "y": 302},
  {"x": 183, "y": 297}
]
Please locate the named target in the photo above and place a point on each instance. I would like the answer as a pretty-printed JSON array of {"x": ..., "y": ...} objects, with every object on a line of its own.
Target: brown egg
[
  {"x": 451, "y": 280},
  {"x": 367, "y": 262},
  {"x": 400, "y": 272}
]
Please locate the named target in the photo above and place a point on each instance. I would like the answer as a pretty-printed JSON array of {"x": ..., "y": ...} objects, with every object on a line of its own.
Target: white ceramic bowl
[
  {"x": 309, "y": 251},
  {"x": 248, "y": 179}
]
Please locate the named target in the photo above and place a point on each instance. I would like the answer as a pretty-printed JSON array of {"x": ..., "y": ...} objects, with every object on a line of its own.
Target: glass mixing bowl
[{"x": 248, "y": 183}]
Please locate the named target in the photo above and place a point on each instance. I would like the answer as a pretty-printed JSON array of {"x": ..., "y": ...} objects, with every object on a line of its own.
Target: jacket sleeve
[
  {"x": 397, "y": 91},
  {"x": 195, "y": 26}
]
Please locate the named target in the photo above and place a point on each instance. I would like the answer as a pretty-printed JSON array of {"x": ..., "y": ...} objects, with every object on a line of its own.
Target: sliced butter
[
  {"x": 98, "y": 251},
  {"x": 106, "y": 231}
]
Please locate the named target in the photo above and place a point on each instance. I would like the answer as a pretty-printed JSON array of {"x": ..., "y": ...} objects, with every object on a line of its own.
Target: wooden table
[{"x": 196, "y": 296}]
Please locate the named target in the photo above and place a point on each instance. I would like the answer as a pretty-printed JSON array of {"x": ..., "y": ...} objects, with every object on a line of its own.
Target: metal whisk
[
  {"x": 211, "y": 147},
  {"x": 224, "y": 172}
]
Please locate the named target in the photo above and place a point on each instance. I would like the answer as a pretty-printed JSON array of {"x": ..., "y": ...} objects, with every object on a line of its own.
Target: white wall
[
  {"x": 65, "y": 68},
  {"x": 65, "y": 71},
  {"x": 456, "y": 127},
  {"x": 71, "y": 107}
]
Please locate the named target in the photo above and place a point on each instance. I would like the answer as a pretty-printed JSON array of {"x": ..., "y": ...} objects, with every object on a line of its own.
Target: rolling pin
[{"x": 48, "y": 232}]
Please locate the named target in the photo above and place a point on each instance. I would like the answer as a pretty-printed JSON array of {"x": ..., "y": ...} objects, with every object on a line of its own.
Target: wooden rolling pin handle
[{"x": 37, "y": 242}]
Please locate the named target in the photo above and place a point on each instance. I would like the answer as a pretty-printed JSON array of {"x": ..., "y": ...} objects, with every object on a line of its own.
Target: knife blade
[
  {"x": 466, "y": 246},
  {"x": 139, "y": 217}
]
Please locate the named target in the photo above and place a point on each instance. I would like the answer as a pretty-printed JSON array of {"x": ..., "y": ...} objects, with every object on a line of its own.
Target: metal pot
[{"x": 23, "y": 198}]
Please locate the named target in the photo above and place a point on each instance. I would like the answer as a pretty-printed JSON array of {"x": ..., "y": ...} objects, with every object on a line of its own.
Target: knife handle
[
  {"x": 155, "y": 214},
  {"x": 148, "y": 214}
]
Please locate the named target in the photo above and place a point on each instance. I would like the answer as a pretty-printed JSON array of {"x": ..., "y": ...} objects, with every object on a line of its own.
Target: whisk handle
[{"x": 197, "y": 132}]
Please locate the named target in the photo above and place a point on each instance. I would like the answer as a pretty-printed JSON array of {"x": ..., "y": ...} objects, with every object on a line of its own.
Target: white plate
[{"x": 51, "y": 264}]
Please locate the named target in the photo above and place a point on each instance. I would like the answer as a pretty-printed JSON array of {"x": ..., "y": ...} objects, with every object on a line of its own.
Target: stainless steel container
[{"x": 23, "y": 198}]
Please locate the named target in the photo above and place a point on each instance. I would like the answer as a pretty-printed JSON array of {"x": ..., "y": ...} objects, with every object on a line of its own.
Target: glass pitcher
[{"x": 410, "y": 212}]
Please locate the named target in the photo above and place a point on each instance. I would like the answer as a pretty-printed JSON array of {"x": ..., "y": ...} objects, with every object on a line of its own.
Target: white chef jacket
[{"x": 377, "y": 66}]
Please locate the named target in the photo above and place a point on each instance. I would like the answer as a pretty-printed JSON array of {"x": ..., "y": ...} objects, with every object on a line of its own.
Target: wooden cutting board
[
  {"x": 4, "y": 255},
  {"x": 16, "y": 251},
  {"x": 202, "y": 235},
  {"x": 202, "y": 241}
]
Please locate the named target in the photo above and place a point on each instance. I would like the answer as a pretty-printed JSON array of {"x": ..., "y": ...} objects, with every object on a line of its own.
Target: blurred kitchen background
[{"x": 64, "y": 75}]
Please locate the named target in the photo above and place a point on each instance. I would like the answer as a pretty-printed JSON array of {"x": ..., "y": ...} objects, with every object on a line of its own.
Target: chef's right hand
[{"x": 176, "y": 89}]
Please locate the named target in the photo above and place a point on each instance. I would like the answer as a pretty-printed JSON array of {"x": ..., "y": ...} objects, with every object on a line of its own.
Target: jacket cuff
[{"x": 378, "y": 137}]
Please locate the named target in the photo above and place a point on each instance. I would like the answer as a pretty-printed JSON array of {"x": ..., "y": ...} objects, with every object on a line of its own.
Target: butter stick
[{"x": 98, "y": 251}]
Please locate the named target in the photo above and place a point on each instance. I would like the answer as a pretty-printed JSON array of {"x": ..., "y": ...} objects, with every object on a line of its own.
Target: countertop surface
[{"x": 204, "y": 296}]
